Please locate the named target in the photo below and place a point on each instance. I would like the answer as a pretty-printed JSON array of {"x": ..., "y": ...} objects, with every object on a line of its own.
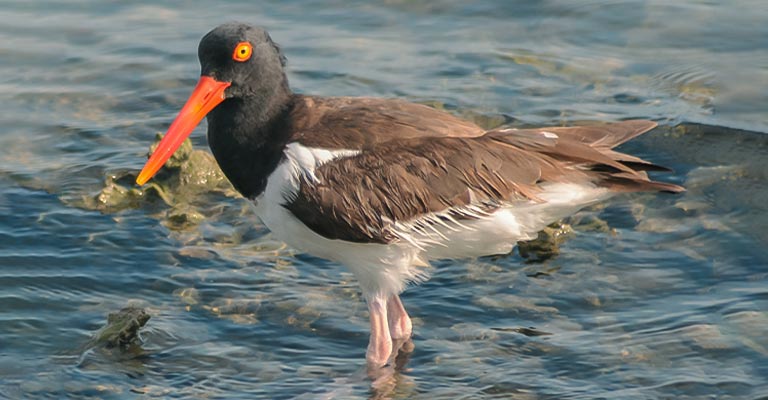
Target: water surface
[{"x": 654, "y": 296}]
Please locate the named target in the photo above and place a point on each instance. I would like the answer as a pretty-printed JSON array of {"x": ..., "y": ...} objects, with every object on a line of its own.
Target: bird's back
[{"x": 400, "y": 165}]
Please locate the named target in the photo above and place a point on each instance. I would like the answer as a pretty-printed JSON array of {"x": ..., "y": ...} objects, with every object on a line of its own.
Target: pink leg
[
  {"x": 400, "y": 326},
  {"x": 380, "y": 344}
]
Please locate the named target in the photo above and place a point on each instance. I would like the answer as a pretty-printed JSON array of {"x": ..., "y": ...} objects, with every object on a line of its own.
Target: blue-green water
[{"x": 668, "y": 299}]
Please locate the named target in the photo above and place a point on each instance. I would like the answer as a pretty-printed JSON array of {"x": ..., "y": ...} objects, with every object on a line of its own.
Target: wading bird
[{"x": 383, "y": 186}]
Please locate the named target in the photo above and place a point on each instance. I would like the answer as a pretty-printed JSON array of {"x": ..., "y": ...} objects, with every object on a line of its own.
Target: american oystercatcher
[{"x": 383, "y": 186}]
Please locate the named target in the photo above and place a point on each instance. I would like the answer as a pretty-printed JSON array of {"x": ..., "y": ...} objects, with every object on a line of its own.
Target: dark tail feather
[
  {"x": 645, "y": 166},
  {"x": 633, "y": 184},
  {"x": 605, "y": 136}
]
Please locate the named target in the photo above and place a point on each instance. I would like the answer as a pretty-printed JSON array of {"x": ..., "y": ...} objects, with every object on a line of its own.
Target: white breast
[{"x": 299, "y": 163}]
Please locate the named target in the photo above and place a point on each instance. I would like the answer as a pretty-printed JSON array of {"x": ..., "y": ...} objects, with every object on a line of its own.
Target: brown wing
[
  {"x": 361, "y": 122},
  {"x": 357, "y": 198},
  {"x": 605, "y": 137}
]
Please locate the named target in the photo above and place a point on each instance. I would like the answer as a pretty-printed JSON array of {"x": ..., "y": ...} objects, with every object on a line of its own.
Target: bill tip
[{"x": 141, "y": 180}]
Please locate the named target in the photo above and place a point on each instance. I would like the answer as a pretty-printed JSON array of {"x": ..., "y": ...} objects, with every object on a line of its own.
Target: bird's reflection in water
[{"x": 386, "y": 380}]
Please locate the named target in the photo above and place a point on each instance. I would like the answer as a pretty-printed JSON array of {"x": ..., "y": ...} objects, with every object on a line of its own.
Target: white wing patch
[
  {"x": 549, "y": 135},
  {"x": 301, "y": 162}
]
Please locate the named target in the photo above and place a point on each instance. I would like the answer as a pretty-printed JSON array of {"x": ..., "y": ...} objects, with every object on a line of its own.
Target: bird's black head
[
  {"x": 242, "y": 87},
  {"x": 244, "y": 56}
]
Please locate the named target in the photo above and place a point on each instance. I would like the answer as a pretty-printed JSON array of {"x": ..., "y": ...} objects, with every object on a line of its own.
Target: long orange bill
[{"x": 207, "y": 95}]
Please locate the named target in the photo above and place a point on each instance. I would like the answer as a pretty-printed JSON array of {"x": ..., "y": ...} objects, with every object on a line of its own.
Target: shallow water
[{"x": 654, "y": 296}]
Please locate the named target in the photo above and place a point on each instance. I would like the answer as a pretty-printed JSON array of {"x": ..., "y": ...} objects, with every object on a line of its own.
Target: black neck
[{"x": 247, "y": 136}]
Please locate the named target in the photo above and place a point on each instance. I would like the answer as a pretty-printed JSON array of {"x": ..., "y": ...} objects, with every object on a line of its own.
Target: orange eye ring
[{"x": 243, "y": 52}]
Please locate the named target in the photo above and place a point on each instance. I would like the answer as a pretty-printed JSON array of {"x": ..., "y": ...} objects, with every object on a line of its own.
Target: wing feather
[{"x": 361, "y": 198}]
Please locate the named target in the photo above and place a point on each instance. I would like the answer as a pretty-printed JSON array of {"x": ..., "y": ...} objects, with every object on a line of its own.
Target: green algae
[
  {"x": 547, "y": 244},
  {"x": 122, "y": 328},
  {"x": 181, "y": 184}
]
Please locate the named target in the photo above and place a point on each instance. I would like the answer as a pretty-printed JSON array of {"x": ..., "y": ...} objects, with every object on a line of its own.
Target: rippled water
[{"x": 652, "y": 297}]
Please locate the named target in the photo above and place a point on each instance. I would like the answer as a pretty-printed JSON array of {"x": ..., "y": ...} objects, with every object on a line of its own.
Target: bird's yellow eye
[{"x": 243, "y": 52}]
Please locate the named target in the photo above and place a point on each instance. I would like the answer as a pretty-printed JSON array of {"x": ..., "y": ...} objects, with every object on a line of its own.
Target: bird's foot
[
  {"x": 391, "y": 329},
  {"x": 378, "y": 354},
  {"x": 380, "y": 344},
  {"x": 400, "y": 326}
]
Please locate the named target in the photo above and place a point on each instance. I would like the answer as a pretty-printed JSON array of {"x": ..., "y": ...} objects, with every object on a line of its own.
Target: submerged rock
[
  {"x": 530, "y": 332},
  {"x": 187, "y": 176},
  {"x": 190, "y": 171},
  {"x": 122, "y": 328},
  {"x": 547, "y": 244},
  {"x": 182, "y": 215}
]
